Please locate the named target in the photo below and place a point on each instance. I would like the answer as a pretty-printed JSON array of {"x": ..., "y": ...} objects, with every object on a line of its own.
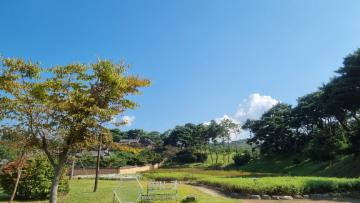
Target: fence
[{"x": 121, "y": 170}]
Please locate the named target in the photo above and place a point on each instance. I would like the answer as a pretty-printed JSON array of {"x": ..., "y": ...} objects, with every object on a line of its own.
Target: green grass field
[
  {"x": 231, "y": 181},
  {"x": 81, "y": 192},
  {"x": 246, "y": 183},
  {"x": 345, "y": 166}
]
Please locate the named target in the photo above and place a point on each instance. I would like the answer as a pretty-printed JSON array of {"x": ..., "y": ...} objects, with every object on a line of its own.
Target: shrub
[
  {"x": 189, "y": 199},
  {"x": 113, "y": 161},
  {"x": 188, "y": 156},
  {"x": 324, "y": 146},
  {"x": 35, "y": 181},
  {"x": 185, "y": 156},
  {"x": 242, "y": 158},
  {"x": 201, "y": 157},
  {"x": 149, "y": 157},
  {"x": 296, "y": 161}
]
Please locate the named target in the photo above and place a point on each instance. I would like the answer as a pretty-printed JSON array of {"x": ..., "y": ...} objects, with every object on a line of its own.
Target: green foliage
[
  {"x": 324, "y": 123},
  {"x": 242, "y": 158},
  {"x": 342, "y": 166},
  {"x": 189, "y": 156},
  {"x": 117, "y": 135},
  {"x": 325, "y": 146},
  {"x": 149, "y": 157},
  {"x": 64, "y": 111},
  {"x": 283, "y": 185},
  {"x": 201, "y": 157},
  {"x": 7, "y": 153},
  {"x": 185, "y": 156},
  {"x": 81, "y": 192},
  {"x": 35, "y": 180},
  {"x": 145, "y": 138},
  {"x": 189, "y": 199}
]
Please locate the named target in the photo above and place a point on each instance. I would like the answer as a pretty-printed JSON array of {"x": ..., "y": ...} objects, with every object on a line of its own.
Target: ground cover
[
  {"x": 81, "y": 192},
  {"x": 243, "y": 183},
  {"x": 344, "y": 166}
]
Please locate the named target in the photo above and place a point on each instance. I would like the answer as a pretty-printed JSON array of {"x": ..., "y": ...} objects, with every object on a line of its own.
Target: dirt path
[
  {"x": 214, "y": 193},
  {"x": 209, "y": 191}
]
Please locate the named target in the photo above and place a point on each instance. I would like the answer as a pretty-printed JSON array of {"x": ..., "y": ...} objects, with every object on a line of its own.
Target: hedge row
[{"x": 282, "y": 185}]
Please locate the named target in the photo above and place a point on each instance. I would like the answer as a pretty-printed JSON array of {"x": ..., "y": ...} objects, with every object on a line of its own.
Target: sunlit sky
[{"x": 206, "y": 58}]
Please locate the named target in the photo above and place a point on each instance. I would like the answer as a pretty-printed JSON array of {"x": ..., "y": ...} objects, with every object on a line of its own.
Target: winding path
[{"x": 209, "y": 191}]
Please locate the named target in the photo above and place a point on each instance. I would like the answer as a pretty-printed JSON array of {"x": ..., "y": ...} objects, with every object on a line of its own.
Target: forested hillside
[{"x": 321, "y": 134}]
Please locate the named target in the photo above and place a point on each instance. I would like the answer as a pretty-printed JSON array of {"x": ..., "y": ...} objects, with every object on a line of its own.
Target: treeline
[
  {"x": 321, "y": 126},
  {"x": 199, "y": 142},
  {"x": 183, "y": 144}
]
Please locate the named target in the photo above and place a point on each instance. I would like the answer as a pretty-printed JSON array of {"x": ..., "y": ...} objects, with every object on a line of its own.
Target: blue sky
[{"x": 204, "y": 57}]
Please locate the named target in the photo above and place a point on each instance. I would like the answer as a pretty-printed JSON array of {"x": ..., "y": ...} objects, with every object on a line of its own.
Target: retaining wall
[{"x": 121, "y": 170}]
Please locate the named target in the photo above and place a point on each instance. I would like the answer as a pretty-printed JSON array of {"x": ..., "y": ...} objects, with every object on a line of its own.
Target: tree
[
  {"x": 135, "y": 133},
  {"x": 181, "y": 136},
  {"x": 117, "y": 135},
  {"x": 18, "y": 144},
  {"x": 212, "y": 134},
  {"x": 342, "y": 95},
  {"x": 272, "y": 132},
  {"x": 228, "y": 128},
  {"x": 62, "y": 108}
]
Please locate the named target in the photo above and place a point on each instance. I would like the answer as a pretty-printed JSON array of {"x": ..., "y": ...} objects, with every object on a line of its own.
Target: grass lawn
[
  {"x": 345, "y": 166},
  {"x": 81, "y": 192},
  {"x": 229, "y": 180},
  {"x": 240, "y": 182}
]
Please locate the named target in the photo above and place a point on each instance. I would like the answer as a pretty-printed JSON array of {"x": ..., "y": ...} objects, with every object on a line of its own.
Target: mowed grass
[
  {"x": 81, "y": 192},
  {"x": 243, "y": 183}
]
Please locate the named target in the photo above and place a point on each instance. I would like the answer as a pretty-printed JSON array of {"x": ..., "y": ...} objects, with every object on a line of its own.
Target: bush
[
  {"x": 149, "y": 157},
  {"x": 35, "y": 181},
  {"x": 189, "y": 199},
  {"x": 113, "y": 161},
  {"x": 296, "y": 161},
  {"x": 188, "y": 156},
  {"x": 324, "y": 146},
  {"x": 185, "y": 157},
  {"x": 242, "y": 158},
  {"x": 201, "y": 157}
]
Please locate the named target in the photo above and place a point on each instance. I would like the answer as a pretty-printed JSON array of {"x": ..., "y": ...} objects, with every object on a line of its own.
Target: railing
[
  {"x": 160, "y": 191},
  {"x": 116, "y": 198}
]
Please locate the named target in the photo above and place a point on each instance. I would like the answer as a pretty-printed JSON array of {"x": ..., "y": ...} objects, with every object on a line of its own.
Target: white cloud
[
  {"x": 224, "y": 117},
  {"x": 254, "y": 106},
  {"x": 250, "y": 108},
  {"x": 127, "y": 120},
  {"x": 233, "y": 135}
]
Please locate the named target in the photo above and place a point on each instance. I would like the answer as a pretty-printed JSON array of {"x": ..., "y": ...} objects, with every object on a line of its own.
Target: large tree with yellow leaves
[{"x": 63, "y": 108}]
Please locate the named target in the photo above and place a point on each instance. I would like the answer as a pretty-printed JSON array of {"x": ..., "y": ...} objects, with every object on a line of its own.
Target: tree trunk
[
  {"x": 16, "y": 185},
  {"x": 229, "y": 152},
  {"x": 72, "y": 169},
  {"x": 210, "y": 154},
  {"x": 216, "y": 157},
  {"x": 18, "y": 168},
  {"x": 97, "y": 165},
  {"x": 55, "y": 183}
]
